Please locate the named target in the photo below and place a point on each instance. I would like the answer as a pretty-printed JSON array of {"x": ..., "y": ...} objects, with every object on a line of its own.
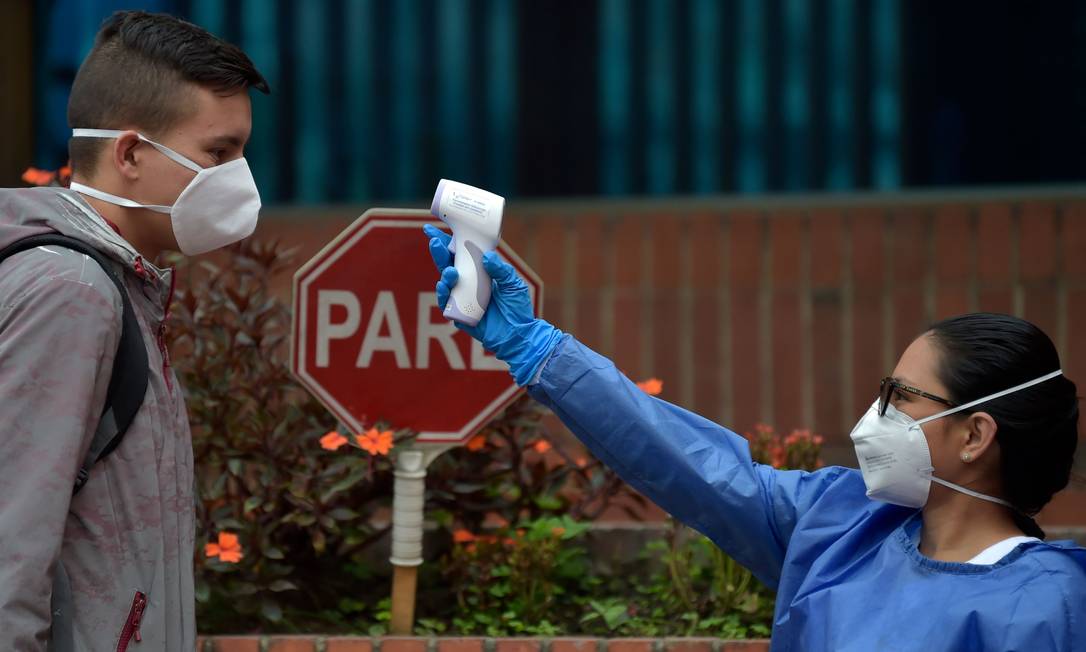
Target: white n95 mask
[
  {"x": 894, "y": 456},
  {"x": 219, "y": 207}
]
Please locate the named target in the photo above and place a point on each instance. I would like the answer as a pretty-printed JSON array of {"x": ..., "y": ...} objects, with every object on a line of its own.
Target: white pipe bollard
[
  {"x": 408, "y": 507},
  {"x": 408, "y": 502}
]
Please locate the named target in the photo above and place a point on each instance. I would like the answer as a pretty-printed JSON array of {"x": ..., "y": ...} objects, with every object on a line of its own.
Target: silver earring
[{"x": 966, "y": 457}]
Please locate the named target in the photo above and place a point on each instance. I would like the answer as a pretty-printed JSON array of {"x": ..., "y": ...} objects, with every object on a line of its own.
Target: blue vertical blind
[{"x": 377, "y": 99}]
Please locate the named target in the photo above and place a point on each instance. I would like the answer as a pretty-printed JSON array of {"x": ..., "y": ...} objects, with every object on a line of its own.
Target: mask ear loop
[
  {"x": 970, "y": 492},
  {"x": 975, "y": 494},
  {"x": 114, "y": 199},
  {"x": 116, "y": 133},
  {"x": 1035, "y": 381}
]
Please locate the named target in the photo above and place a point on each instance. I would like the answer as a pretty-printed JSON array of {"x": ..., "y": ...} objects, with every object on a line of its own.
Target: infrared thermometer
[{"x": 475, "y": 217}]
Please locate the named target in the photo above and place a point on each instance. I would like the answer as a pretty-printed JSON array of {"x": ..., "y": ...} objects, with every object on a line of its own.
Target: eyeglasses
[{"x": 889, "y": 385}]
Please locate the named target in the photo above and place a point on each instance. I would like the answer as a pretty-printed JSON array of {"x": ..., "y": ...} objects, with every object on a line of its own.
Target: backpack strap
[{"x": 128, "y": 380}]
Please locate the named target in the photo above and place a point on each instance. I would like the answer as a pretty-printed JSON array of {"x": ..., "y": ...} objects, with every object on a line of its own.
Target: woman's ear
[{"x": 979, "y": 436}]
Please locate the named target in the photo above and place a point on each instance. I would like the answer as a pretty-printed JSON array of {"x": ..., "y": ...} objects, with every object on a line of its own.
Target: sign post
[{"x": 369, "y": 342}]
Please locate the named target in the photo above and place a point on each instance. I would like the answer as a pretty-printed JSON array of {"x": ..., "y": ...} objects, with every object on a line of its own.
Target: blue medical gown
[{"x": 847, "y": 570}]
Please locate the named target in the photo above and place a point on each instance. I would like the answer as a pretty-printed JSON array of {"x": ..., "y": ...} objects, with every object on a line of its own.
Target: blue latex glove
[{"x": 508, "y": 328}]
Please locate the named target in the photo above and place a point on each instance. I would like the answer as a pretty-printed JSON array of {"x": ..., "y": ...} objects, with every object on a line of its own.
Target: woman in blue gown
[{"x": 930, "y": 546}]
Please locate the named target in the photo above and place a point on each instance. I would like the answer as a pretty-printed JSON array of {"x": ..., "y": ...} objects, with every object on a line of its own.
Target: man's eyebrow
[{"x": 226, "y": 139}]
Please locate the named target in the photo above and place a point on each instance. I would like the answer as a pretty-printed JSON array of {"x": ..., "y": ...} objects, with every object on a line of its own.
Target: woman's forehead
[{"x": 919, "y": 365}]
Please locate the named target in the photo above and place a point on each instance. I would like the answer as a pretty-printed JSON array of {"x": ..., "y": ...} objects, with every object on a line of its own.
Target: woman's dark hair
[{"x": 985, "y": 353}]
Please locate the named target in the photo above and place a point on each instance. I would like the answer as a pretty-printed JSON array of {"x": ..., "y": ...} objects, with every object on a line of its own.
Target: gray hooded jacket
[{"x": 129, "y": 532}]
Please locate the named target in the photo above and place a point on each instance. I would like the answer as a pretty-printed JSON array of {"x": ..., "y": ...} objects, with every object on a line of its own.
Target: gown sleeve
[{"x": 699, "y": 472}]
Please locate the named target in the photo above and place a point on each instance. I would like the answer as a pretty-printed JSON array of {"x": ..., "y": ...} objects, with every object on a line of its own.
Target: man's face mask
[
  {"x": 894, "y": 456},
  {"x": 219, "y": 207}
]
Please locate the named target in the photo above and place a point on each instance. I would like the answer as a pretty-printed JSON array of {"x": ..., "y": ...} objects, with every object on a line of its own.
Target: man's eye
[
  {"x": 217, "y": 154},
  {"x": 900, "y": 395}
]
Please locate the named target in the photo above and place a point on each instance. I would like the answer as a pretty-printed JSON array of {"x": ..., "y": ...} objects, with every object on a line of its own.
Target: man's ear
[
  {"x": 980, "y": 436},
  {"x": 127, "y": 155}
]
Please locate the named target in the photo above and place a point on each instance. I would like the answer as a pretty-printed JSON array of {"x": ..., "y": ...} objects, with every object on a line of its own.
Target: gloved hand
[{"x": 508, "y": 328}]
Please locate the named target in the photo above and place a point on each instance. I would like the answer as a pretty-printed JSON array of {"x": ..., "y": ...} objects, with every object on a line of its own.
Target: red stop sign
[{"x": 371, "y": 344}]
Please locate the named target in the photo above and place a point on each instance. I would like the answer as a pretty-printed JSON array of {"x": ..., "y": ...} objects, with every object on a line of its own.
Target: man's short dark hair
[{"x": 137, "y": 72}]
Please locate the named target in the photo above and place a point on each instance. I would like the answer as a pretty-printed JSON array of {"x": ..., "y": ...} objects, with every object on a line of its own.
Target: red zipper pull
[
  {"x": 137, "y": 616},
  {"x": 164, "y": 351},
  {"x": 132, "y": 624}
]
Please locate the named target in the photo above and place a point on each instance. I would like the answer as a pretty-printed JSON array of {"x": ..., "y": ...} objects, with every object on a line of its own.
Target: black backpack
[{"x": 128, "y": 382}]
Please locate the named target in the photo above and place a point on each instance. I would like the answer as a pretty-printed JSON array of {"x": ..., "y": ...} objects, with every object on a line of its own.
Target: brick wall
[{"x": 789, "y": 310}]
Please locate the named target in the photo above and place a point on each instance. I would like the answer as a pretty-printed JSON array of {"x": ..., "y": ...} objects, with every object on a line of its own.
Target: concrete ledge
[{"x": 316, "y": 643}]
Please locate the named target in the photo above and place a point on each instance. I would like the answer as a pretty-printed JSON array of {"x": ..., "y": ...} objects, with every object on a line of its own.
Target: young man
[{"x": 160, "y": 113}]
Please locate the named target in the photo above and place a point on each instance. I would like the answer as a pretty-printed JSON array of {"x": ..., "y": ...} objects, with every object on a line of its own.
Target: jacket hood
[{"x": 33, "y": 211}]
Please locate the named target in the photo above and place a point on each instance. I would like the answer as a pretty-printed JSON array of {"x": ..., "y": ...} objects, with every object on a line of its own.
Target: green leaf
[
  {"x": 343, "y": 514},
  {"x": 548, "y": 502},
  {"x": 351, "y": 605},
  {"x": 274, "y": 553},
  {"x": 346, "y": 483},
  {"x": 230, "y": 524},
  {"x": 613, "y": 612},
  {"x": 431, "y": 627},
  {"x": 203, "y": 591},
  {"x": 252, "y": 503},
  {"x": 271, "y": 611},
  {"x": 283, "y": 585},
  {"x": 320, "y": 542},
  {"x": 574, "y": 528},
  {"x": 236, "y": 466},
  {"x": 442, "y": 517},
  {"x": 215, "y": 491}
]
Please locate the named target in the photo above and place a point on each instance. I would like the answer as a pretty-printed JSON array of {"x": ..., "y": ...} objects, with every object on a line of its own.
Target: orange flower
[
  {"x": 558, "y": 531},
  {"x": 778, "y": 456},
  {"x": 817, "y": 440},
  {"x": 374, "y": 442},
  {"x": 476, "y": 443},
  {"x": 581, "y": 462},
  {"x": 227, "y": 549},
  {"x": 463, "y": 536},
  {"x": 541, "y": 446},
  {"x": 36, "y": 177},
  {"x": 652, "y": 386},
  {"x": 332, "y": 441}
]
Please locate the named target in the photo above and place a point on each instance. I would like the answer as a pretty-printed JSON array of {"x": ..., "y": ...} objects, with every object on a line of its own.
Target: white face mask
[
  {"x": 219, "y": 207},
  {"x": 894, "y": 456}
]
